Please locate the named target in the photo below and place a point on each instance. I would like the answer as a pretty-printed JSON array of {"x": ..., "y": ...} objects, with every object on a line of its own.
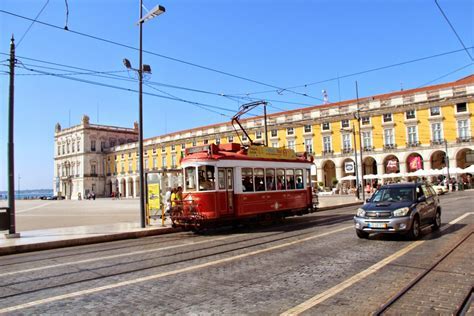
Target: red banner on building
[
  {"x": 414, "y": 163},
  {"x": 392, "y": 166}
]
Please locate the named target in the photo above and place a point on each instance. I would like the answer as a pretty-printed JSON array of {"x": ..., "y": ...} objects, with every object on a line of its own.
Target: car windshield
[{"x": 393, "y": 195}]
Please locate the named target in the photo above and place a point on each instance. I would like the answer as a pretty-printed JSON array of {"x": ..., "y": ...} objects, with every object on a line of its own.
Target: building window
[
  {"x": 291, "y": 144},
  {"x": 64, "y": 150},
  {"x": 122, "y": 167},
  {"x": 112, "y": 143},
  {"x": 154, "y": 150},
  {"x": 463, "y": 129},
  {"x": 275, "y": 144},
  {"x": 410, "y": 114},
  {"x": 290, "y": 131},
  {"x": 206, "y": 141},
  {"x": 387, "y": 117},
  {"x": 130, "y": 155},
  {"x": 412, "y": 135},
  {"x": 146, "y": 164},
  {"x": 92, "y": 145},
  {"x": 163, "y": 162},
  {"x": 163, "y": 149},
  {"x": 258, "y": 135},
  {"x": 218, "y": 141},
  {"x": 274, "y": 133},
  {"x": 173, "y": 147},
  {"x": 173, "y": 161},
  {"x": 230, "y": 139},
  {"x": 59, "y": 150},
  {"x": 436, "y": 132},
  {"x": 367, "y": 140},
  {"x": 67, "y": 148},
  {"x": 435, "y": 111},
  {"x": 346, "y": 141},
  {"x": 308, "y": 145},
  {"x": 183, "y": 146},
  {"x": 327, "y": 143},
  {"x": 154, "y": 162},
  {"x": 123, "y": 156},
  {"x": 130, "y": 167},
  {"x": 388, "y": 137},
  {"x": 325, "y": 126},
  {"x": 461, "y": 107},
  {"x": 307, "y": 128},
  {"x": 194, "y": 143},
  {"x": 365, "y": 120},
  {"x": 137, "y": 154},
  {"x": 102, "y": 146},
  {"x": 345, "y": 123},
  {"x": 78, "y": 146},
  {"x": 73, "y": 147},
  {"x": 244, "y": 138}
]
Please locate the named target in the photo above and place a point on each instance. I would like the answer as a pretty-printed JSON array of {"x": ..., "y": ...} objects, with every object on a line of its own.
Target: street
[{"x": 312, "y": 265}]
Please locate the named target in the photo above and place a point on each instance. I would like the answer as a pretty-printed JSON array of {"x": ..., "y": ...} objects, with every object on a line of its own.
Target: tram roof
[{"x": 235, "y": 151}]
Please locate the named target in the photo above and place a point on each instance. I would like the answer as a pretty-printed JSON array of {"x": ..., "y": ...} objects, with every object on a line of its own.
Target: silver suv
[{"x": 399, "y": 208}]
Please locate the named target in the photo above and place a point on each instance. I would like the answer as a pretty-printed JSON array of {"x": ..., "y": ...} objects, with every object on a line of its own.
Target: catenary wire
[
  {"x": 454, "y": 30},
  {"x": 32, "y": 22},
  {"x": 445, "y": 75},
  {"x": 160, "y": 55}
]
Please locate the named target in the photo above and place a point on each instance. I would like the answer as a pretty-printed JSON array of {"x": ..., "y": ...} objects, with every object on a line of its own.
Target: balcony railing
[
  {"x": 328, "y": 152},
  {"x": 437, "y": 142},
  {"x": 466, "y": 139},
  {"x": 347, "y": 150},
  {"x": 389, "y": 146},
  {"x": 413, "y": 144},
  {"x": 368, "y": 148}
]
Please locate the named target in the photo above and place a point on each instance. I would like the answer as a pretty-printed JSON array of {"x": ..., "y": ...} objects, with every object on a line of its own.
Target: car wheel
[
  {"x": 437, "y": 221},
  {"x": 415, "y": 230},
  {"x": 362, "y": 234}
]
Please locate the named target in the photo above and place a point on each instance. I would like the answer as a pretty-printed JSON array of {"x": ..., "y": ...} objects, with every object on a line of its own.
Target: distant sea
[{"x": 28, "y": 194}]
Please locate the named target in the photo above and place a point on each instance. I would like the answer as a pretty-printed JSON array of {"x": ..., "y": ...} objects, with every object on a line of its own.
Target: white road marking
[
  {"x": 163, "y": 274},
  {"x": 114, "y": 256},
  {"x": 317, "y": 299},
  {"x": 33, "y": 208}
]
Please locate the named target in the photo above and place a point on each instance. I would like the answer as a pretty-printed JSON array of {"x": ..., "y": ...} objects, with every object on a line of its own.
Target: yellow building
[{"x": 399, "y": 132}]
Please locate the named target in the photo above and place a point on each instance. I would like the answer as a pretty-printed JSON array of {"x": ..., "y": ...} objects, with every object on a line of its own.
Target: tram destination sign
[{"x": 270, "y": 153}]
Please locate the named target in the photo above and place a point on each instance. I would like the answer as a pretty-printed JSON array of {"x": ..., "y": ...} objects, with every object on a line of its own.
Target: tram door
[{"x": 226, "y": 191}]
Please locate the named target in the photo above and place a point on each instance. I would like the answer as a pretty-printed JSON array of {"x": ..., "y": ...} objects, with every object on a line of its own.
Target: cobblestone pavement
[{"x": 251, "y": 271}]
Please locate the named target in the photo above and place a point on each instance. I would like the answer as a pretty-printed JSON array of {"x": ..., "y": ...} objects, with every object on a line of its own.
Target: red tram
[{"x": 226, "y": 184}]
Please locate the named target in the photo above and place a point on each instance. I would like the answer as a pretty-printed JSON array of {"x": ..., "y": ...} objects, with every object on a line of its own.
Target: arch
[
  {"x": 438, "y": 159},
  {"x": 464, "y": 158},
  {"x": 391, "y": 164},
  {"x": 369, "y": 165},
  {"x": 414, "y": 161},
  {"x": 130, "y": 187},
  {"x": 329, "y": 173}
]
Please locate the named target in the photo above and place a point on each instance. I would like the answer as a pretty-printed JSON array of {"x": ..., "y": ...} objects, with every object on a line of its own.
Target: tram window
[
  {"x": 190, "y": 178},
  {"x": 229, "y": 179},
  {"x": 308, "y": 178},
  {"x": 270, "y": 178},
  {"x": 299, "y": 178},
  {"x": 290, "y": 179},
  {"x": 206, "y": 178},
  {"x": 259, "y": 180},
  {"x": 280, "y": 179},
  {"x": 221, "y": 179},
  {"x": 247, "y": 179}
]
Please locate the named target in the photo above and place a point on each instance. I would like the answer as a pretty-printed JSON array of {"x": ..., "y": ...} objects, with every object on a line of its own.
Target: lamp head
[
  {"x": 127, "y": 63},
  {"x": 146, "y": 69},
  {"x": 157, "y": 10}
]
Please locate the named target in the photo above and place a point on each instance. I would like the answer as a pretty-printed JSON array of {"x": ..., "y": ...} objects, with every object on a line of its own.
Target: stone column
[
  {"x": 319, "y": 173},
  {"x": 127, "y": 188},
  {"x": 403, "y": 167},
  {"x": 338, "y": 173},
  {"x": 380, "y": 169}
]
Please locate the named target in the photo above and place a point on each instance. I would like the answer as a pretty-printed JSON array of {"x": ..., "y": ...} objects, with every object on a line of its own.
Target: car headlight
[
  {"x": 401, "y": 211},
  {"x": 360, "y": 212}
]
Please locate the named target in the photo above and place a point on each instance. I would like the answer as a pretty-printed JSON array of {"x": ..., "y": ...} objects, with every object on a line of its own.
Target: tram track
[
  {"x": 243, "y": 242},
  {"x": 395, "y": 298}
]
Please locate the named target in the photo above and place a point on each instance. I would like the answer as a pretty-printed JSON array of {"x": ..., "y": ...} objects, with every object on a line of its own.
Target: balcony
[
  {"x": 413, "y": 144},
  {"x": 389, "y": 146},
  {"x": 466, "y": 139},
  {"x": 328, "y": 152},
  {"x": 347, "y": 150},
  {"x": 436, "y": 142},
  {"x": 368, "y": 148}
]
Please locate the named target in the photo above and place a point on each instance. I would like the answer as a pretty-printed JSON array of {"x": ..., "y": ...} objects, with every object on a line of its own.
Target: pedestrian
[{"x": 168, "y": 201}]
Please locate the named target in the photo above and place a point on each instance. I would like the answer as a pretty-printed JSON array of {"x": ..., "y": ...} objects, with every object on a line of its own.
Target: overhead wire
[
  {"x": 453, "y": 29},
  {"x": 32, "y": 22},
  {"x": 161, "y": 55},
  {"x": 446, "y": 75}
]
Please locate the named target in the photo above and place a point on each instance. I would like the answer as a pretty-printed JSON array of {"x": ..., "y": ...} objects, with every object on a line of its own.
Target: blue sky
[{"x": 279, "y": 43}]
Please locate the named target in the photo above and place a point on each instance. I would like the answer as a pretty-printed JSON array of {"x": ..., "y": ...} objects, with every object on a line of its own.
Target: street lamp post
[{"x": 157, "y": 10}]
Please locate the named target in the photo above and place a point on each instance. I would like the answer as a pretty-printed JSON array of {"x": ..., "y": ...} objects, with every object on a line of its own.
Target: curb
[{"x": 9, "y": 250}]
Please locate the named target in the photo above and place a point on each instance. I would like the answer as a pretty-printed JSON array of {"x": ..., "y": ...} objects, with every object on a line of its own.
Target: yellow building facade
[{"x": 396, "y": 133}]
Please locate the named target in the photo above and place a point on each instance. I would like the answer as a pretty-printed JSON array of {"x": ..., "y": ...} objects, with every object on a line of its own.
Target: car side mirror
[{"x": 422, "y": 199}]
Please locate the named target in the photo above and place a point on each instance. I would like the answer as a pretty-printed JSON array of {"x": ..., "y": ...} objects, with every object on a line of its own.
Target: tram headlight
[{"x": 360, "y": 212}]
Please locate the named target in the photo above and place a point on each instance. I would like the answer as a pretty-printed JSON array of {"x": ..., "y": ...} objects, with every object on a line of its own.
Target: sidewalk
[{"x": 35, "y": 240}]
